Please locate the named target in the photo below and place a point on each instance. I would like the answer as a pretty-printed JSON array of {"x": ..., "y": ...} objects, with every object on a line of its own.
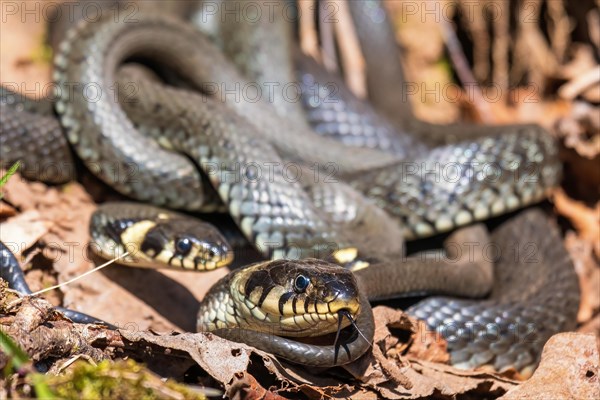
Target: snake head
[
  {"x": 168, "y": 241},
  {"x": 296, "y": 297}
]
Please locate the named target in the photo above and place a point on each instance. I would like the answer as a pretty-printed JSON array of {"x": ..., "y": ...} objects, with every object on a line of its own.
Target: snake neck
[{"x": 217, "y": 309}]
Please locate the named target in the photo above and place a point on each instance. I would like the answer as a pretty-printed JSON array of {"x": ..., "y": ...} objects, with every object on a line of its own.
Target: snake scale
[{"x": 168, "y": 134}]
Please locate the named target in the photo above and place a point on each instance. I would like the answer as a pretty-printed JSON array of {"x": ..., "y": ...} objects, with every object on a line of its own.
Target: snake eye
[
  {"x": 183, "y": 246},
  {"x": 301, "y": 283}
]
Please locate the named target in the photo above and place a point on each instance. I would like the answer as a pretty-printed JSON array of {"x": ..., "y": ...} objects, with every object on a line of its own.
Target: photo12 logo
[{"x": 68, "y": 11}]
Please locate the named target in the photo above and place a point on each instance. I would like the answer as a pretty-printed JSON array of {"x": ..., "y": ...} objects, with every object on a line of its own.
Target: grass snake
[{"x": 184, "y": 146}]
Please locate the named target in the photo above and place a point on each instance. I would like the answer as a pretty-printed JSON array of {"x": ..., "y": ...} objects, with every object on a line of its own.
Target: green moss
[
  {"x": 115, "y": 380},
  {"x": 106, "y": 380}
]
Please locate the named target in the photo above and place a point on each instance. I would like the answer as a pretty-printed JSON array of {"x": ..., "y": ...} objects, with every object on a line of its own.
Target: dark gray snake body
[
  {"x": 48, "y": 158},
  {"x": 497, "y": 170},
  {"x": 535, "y": 292}
]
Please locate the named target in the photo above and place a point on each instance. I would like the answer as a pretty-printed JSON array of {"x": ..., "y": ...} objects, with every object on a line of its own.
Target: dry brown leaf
[
  {"x": 582, "y": 59},
  {"x": 245, "y": 386},
  {"x": 585, "y": 219},
  {"x": 568, "y": 370},
  {"x": 428, "y": 345},
  {"x": 21, "y": 193},
  {"x": 580, "y": 130},
  {"x": 397, "y": 377},
  {"x": 592, "y": 94},
  {"x": 6, "y": 210},
  {"x": 220, "y": 358},
  {"x": 228, "y": 362},
  {"x": 593, "y": 327},
  {"x": 580, "y": 83},
  {"x": 377, "y": 371},
  {"x": 588, "y": 271},
  {"x": 22, "y": 231},
  {"x": 582, "y": 71},
  {"x": 450, "y": 381}
]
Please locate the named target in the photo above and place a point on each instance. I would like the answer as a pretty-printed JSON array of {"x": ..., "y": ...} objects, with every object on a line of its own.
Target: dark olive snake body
[{"x": 222, "y": 137}]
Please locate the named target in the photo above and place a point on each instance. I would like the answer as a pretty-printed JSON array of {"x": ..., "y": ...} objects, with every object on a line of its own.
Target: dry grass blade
[{"x": 106, "y": 264}]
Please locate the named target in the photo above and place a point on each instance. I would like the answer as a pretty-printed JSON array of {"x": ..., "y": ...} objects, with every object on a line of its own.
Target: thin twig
[
  {"x": 464, "y": 71},
  {"x": 500, "y": 47},
  {"x": 593, "y": 21},
  {"x": 541, "y": 62},
  {"x": 575, "y": 86},
  {"x": 560, "y": 31},
  {"x": 473, "y": 16},
  {"x": 309, "y": 41},
  {"x": 326, "y": 35},
  {"x": 352, "y": 59}
]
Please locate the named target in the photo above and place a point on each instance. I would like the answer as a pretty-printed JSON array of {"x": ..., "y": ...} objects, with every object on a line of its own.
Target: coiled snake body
[{"x": 495, "y": 171}]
